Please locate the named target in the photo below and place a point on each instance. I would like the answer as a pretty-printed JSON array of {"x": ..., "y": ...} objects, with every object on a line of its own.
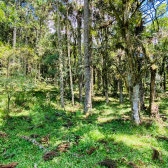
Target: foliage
[
  {"x": 108, "y": 130},
  {"x": 17, "y": 89},
  {"x": 124, "y": 43}
]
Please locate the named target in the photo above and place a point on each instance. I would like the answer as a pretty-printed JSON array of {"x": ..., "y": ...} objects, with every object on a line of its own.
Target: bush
[{"x": 19, "y": 98}]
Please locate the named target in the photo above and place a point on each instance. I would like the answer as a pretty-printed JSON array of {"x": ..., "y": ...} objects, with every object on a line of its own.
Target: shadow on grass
[{"x": 124, "y": 139}]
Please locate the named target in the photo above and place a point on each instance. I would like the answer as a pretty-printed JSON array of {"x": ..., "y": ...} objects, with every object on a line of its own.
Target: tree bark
[
  {"x": 80, "y": 76},
  {"x": 135, "y": 104},
  {"x": 88, "y": 101},
  {"x": 106, "y": 68},
  {"x": 142, "y": 104},
  {"x": 60, "y": 58},
  {"x": 120, "y": 83},
  {"x": 153, "y": 109},
  {"x": 105, "y": 80},
  {"x": 69, "y": 58},
  {"x": 15, "y": 30},
  {"x": 92, "y": 86},
  {"x": 134, "y": 99},
  {"x": 90, "y": 49},
  {"x": 99, "y": 78},
  {"x": 115, "y": 81},
  {"x": 121, "y": 91},
  {"x": 14, "y": 34},
  {"x": 94, "y": 76}
]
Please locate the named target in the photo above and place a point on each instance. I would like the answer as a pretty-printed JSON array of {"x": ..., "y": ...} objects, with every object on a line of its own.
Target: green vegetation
[
  {"x": 83, "y": 83},
  {"x": 109, "y": 130}
]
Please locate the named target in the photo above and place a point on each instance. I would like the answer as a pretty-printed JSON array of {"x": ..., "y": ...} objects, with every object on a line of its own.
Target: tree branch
[
  {"x": 115, "y": 11},
  {"x": 138, "y": 6}
]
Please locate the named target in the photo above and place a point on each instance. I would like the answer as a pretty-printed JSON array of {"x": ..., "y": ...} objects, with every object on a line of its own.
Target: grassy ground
[{"x": 107, "y": 133}]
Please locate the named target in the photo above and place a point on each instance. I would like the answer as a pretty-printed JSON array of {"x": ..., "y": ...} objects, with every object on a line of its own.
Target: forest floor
[{"x": 107, "y": 137}]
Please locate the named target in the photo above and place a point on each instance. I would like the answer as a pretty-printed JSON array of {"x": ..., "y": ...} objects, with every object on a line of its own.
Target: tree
[
  {"x": 129, "y": 19},
  {"x": 68, "y": 53},
  {"x": 80, "y": 76},
  {"x": 60, "y": 58},
  {"x": 88, "y": 100}
]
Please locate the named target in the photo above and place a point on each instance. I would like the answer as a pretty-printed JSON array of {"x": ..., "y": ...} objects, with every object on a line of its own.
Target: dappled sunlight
[
  {"x": 83, "y": 84},
  {"x": 18, "y": 113},
  {"x": 96, "y": 135},
  {"x": 161, "y": 130},
  {"x": 108, "y": 130},
  {"x": 72, "y": 109},
  {"x": 132, "y": 141},
  {"x": 163, "y": 105},
  {"x": 102, "y": 120},
  {"x": 98, "y": 98}
]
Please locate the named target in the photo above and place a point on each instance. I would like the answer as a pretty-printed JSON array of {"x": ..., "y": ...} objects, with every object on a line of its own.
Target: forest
[{"x": 83, "y": 83}]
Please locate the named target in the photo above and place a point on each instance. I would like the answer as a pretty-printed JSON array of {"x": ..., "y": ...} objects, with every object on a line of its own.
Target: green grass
[{"x": 42, "y": 115}]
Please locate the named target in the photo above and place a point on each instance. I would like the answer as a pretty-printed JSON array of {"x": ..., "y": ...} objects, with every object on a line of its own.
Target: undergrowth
[{"x": 109, "y": 131}]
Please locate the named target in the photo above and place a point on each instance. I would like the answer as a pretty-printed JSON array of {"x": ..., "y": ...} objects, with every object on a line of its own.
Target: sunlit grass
[{"x": 47, "y": 118}]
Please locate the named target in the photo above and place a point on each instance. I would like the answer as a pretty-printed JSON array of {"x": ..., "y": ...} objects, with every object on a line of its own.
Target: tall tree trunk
[
  {"x": 92, "y": 86},
  {"x": 104, "y": 72},
  {"x": 90, "y": 49},
  {"x": 88, "y": 100},
  {"x": 134, "y": 99},
  {"x": 14, "y": 33},
  {"x": 142, "y": 104},
  {"x": 153, "y": 109},
  {"x": 99, "y": 78},
  {"x": 106, "y": 89},
  {"x": 26, "y": 43},
  {"x": 120, "y": 83},
  {"x": 27, "y": 22},
  {"x": 20, "y": 42},
  {"x": 60, "y": 58},
  {"x": 121, "y": 90},
  {"x": 105, "y": 80},
  {"x": 106, "y": 59},
  {"x": 135, "y": 104},
  {"x": 80, "y": 76},
  {"x": 15, "y": 30},
  {"x": 164, "y": 80},
  {"x": 115, "y": 81},
  {"x": 94, "y": 76},
  {"x": 69, "y": 58}
]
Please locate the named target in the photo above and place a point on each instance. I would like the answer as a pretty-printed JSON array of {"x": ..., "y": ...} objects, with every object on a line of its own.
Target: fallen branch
[
  {"x": 157, "y": 155},
  {"x": 11, "y": 165},
  {"x": 132, "y": 165},
  {"x": 50, "y": 155},
  {"x": 33, "y": 141},
  {"x": 162, "y": 137}
]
